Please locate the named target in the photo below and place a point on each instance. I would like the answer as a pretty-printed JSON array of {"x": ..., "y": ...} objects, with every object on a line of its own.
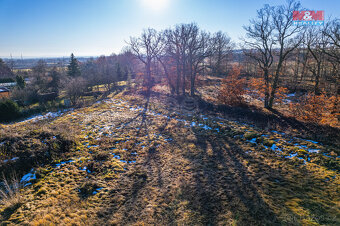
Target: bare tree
[
  {"x": 146, "y": 48},
  {"x": 199, "y": 48},
  {"x": 287, "y": 36},
  {"x": 174, "y": 48},
  {"x": 332, "y": 31},
  {"x": 188, "y": 47},
  {"x": 316, "y": 43},
  {"x": 183, "y": 32},
  {"x": 74, "y": 88},
  {"x": 259, "y": 44},
  {"x": 106, "y": 71},
  {"x": 296, "y": 69},
  {"x": 222, "y": 49},
  {"x": 164, "y": 58},
  {"x": 89, "y": 70},
  {"x": 272, "y": 35}
]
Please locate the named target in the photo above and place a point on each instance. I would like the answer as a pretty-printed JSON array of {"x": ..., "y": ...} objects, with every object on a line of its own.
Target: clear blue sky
[{"x": 48, "y": 28}]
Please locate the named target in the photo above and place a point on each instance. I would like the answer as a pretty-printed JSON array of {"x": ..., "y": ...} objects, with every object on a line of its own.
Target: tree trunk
[
  {"x": 317, "y": 79},
  {"x": 192, "y": 86},
  {"x": 178, "y": 79},
  {"x": 183, "y": 76},
  {"x": 266, "y": 92},
  {"x": 274, "y": 86},
  {"x": 304, "y": 67},
  {"x": 192, "y": 82},
  {"x": 296, "y": 70},
  {"x": 172, "y": 88},
  {"x": 148, "y": 76}
]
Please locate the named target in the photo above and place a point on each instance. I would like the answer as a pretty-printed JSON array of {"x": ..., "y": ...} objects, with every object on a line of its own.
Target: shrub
[
  {"x": 316, "y": 108},
  {"x": 75, "y": 88},
  {"x": 27, "y": 95},
  {"x": 281, "y": 94},
  {"x": 232, "y": 89},
  {"x": 257, "y": 89},
  {"x": 9, "y": 110},
  {"x": 20, "y": 81}
]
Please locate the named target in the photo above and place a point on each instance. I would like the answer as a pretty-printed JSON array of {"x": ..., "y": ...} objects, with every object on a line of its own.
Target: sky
[{"x": 55, "y": 28}]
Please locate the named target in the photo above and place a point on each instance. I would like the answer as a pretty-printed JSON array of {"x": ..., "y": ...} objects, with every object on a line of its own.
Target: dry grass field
[{"x": 126, "y": 160}]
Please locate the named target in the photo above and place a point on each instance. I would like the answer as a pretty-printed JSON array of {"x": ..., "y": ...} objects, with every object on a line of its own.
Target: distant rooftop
[{"x": 8, "y": 84}]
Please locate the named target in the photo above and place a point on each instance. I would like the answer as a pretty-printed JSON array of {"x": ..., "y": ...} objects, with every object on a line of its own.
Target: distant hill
[{"x": 5, "y": 71}]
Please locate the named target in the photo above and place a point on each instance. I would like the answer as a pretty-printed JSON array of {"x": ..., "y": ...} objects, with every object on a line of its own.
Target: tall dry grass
[{"x": 10, "y": 195}]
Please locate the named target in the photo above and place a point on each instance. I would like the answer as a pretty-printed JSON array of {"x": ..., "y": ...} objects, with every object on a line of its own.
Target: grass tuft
[{"x": 10, "y": 196}]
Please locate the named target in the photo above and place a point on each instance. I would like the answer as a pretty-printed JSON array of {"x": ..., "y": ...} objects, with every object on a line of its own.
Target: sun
[{"x": 155, "y": 5}]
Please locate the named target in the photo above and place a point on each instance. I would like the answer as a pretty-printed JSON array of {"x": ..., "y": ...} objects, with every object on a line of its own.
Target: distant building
[
  {"x": 8, "y": 85},
  {"x": 4, "y": 92}
]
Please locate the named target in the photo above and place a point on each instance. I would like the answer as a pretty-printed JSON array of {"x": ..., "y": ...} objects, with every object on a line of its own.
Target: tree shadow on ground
[
  {"x": 229, "y": 180},
  {"x": 142, "y": 115},
  {"x": 226, "y": 185},
  {"x": 273, "y": 121},
  {"x": 221, "y": 184}
]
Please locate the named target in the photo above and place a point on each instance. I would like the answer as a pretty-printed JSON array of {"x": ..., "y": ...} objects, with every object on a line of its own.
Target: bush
[
  {"x": 257, "y": 90},
  {"x": 317, "y": 109},
  {"x": 75, "y": 88},
  {"x": 9, "y": 110},
  {"x": 233, "y": 89},
  {"x": 25, "y": 96}
]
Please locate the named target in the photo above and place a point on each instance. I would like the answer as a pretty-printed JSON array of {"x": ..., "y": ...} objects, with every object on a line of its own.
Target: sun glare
[{"x": 155, "y": 5}]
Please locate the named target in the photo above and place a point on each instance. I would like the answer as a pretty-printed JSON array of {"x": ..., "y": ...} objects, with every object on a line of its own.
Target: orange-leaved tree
[{"x": 233, "y": 89}]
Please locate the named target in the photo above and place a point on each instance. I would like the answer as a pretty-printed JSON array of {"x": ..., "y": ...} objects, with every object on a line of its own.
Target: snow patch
[
  {"x": 28, "y": 177},
  {"x": 253, "y": 141}
]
